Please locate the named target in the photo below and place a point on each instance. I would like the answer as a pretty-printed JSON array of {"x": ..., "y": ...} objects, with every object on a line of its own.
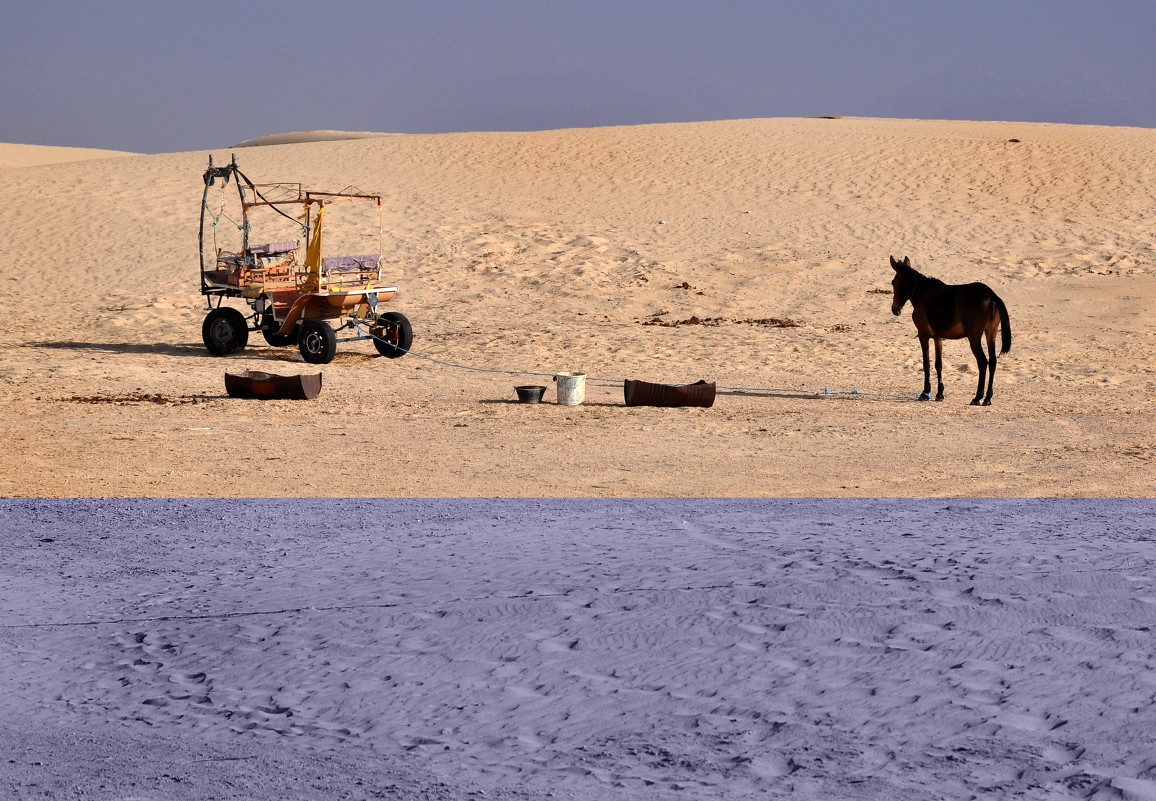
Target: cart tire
[
  {"x": 318, "y": 342},
  {"x": 225, "y": 331},
  {"x": 279, "y": 340},
  {"x": 396, "y": 335},
  {"x": 269, "y": 326}
]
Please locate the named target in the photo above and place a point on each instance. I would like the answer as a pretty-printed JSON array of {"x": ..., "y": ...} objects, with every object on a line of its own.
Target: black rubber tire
[
  {"x": 318, "y": 342},
  {"x": 279, "y": 340},
  {"x": 225, "y": 331},
  {"x": 269, "y": 325},
  {"x": 396, "y": 336}
]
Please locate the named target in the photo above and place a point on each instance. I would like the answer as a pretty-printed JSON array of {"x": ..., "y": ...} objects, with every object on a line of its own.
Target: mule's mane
[{"x": 912, "y": 276}]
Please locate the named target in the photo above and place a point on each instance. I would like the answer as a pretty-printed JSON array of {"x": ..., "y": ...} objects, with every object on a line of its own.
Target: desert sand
[
  {"x": 35, "y": 155},
  {"x": 580, "y": 649},
  {"x": 552, "y": 251},
  {"x": 192, "y": 642}
]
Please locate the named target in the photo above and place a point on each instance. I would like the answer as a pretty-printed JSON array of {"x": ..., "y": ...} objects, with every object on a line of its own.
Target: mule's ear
[
  {"x": 906, "y": 261},
  {"x": 894, "y": 264}
]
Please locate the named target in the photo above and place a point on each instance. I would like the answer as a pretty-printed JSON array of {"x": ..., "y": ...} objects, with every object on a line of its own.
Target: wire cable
[{"x": 784, "y": 391}]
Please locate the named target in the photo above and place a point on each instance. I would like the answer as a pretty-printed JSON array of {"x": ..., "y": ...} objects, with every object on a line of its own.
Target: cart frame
[{"x": 293, "y": 298}]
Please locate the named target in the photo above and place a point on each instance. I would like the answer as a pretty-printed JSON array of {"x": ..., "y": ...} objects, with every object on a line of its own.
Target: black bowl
[{"x": 530, "y": 394}]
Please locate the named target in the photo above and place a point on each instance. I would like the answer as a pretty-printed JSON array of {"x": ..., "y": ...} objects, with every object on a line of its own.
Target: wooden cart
[{"x": 296, "y": 294}]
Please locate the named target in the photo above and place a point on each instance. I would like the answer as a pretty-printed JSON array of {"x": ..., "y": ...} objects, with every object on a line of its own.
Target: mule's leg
[
  {"x": 990, "y": 366},
  {"x": 981, "y": 363},
  {"x": 923, "y": 340},
  {"x": 938, "y": 368}
]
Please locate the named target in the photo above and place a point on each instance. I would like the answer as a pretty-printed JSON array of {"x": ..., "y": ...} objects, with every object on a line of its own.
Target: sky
[{"x": 174, "y": 76}]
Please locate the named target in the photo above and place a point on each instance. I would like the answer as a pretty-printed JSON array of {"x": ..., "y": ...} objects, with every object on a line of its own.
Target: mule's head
[{"x": 901, "y": 284}]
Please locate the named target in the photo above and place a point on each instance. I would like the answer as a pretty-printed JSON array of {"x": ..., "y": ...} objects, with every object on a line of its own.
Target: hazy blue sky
[{"x": 172, "y": 76}]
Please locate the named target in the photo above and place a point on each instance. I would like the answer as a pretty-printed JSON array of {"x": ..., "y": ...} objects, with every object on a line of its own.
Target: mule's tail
[{"x": 1004, "y": 324}]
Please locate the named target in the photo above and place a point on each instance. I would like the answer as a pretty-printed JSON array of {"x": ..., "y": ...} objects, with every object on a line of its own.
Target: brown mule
[{"x": 951, "y": 311}]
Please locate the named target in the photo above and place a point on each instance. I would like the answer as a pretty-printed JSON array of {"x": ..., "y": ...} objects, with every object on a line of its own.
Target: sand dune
[
  {"x": 34, "y": 155},
  {"x": 558, "y": 250},
  {"x": 297, "y": 137}
]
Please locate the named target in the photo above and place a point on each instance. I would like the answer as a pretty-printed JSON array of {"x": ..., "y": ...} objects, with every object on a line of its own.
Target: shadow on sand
[{"x": 160, "y": 348}]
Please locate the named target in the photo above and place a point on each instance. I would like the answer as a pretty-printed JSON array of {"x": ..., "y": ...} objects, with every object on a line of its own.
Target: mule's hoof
[
  {"x": 925, "y": 396},
  {"x": 939, "y": 397},
  {"x": 975, "y": 402}
]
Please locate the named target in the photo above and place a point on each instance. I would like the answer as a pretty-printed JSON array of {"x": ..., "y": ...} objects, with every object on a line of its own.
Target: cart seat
[
  {"x": 349, "y": 264},
  {"x": 272, "y": 248},
  {"x": 217, "y": 278}
]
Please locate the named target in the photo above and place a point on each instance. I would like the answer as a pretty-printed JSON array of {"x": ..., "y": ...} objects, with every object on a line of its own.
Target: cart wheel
[
  {"x": 225, "y": 331},
  {"x": 279, "y": 340},
  {"x": 269, "y": 325},
  {"x": 396, "y": 335},
  {"x": 318, "y": 342}
]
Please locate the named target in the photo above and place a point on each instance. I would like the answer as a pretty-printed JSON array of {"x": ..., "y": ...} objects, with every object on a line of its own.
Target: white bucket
[{"x": 571, "y": 388}]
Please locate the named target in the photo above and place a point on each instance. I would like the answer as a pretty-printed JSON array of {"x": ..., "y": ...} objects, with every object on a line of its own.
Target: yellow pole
[{"x": 313, "y": 253}]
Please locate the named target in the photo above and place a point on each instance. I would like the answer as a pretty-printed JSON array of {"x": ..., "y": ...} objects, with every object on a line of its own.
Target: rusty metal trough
[
  {"x": 257, "y": 384},
  {"x": 644, "y": 393}
]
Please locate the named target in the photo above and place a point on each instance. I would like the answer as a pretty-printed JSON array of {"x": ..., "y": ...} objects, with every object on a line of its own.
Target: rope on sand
[{"x": 770, "y": 391}]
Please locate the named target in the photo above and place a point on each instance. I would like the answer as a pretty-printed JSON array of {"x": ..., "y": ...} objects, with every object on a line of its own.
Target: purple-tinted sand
[{"x": 578, "y": 649}]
